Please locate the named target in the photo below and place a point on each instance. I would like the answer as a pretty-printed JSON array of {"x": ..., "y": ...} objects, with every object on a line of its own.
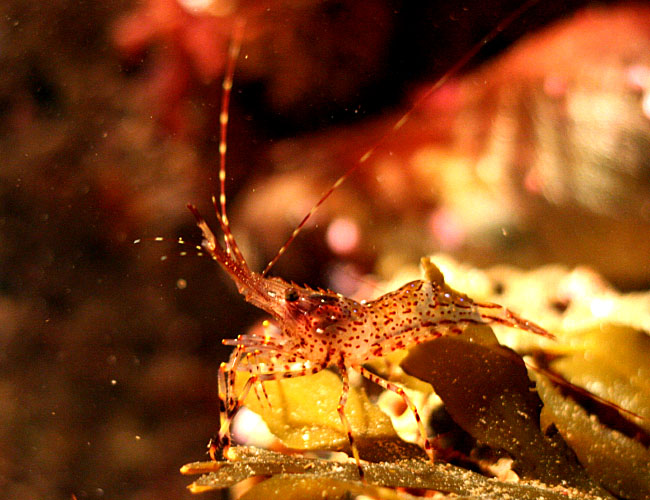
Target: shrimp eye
[{"x": 291, "y": 295}]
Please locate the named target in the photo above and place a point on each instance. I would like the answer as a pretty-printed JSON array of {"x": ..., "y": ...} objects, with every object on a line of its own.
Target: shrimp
[{"x": 319, "y": 329}]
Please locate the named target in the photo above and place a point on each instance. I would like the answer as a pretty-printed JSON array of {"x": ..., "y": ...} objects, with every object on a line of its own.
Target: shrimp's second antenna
[{"x": 320, "y": 328}]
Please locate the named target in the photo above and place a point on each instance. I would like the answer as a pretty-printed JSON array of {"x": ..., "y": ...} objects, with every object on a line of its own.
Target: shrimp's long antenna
[
  {"x": 405, "y": 118},
  {"x": 233, "y": 53}
]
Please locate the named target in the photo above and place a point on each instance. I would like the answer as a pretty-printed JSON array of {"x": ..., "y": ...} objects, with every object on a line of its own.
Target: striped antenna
[
  {"x": 232, "y": 249},
  {"x": 405, "y": 118}
]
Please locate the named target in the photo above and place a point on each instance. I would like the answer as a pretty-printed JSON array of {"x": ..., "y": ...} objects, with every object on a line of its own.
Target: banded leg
[
  {"x": 344, "y": 419},
  {"x": 226, "y": 381},
  {"x": 389, "y": 386},
  {"x": 225, "y": 384},
  {"x": 257, "y": 371},
  {"x": 233, "y": 404}
]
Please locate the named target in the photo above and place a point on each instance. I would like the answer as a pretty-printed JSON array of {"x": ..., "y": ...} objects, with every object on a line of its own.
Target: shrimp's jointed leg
[
  {"x": 344, "y": 420},
  {"x": 232, "y": 404},
  {"x": 389, "y": 386},
  {"x": 225, "y": 383}
]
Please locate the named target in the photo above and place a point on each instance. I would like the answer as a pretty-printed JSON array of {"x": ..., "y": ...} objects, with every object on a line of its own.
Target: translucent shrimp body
[
  {"x": 318, "y": 329},
  {"x": 325, "y": 327}
]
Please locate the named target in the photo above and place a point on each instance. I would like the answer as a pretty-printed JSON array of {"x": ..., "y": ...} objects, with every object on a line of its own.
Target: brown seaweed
[
  {"x": 486, "y": 390},
  {"x": 619, "y": 462},
  {"x": 407, "y": 473}
]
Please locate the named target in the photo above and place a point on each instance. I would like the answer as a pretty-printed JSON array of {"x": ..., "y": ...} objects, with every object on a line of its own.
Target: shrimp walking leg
[
  {"x": 389, "y": 386},
  {"x": 232, "y": 404},
  {"x": 344, "y": 419}
]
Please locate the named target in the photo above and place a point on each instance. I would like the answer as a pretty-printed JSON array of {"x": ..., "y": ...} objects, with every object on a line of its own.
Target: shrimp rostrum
[{"x": 320, "y": 329}]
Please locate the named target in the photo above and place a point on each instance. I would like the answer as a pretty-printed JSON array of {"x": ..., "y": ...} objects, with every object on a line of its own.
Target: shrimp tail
[
  {"x": 489, "y": 312},
  {"x": 495, "y": 313}
]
